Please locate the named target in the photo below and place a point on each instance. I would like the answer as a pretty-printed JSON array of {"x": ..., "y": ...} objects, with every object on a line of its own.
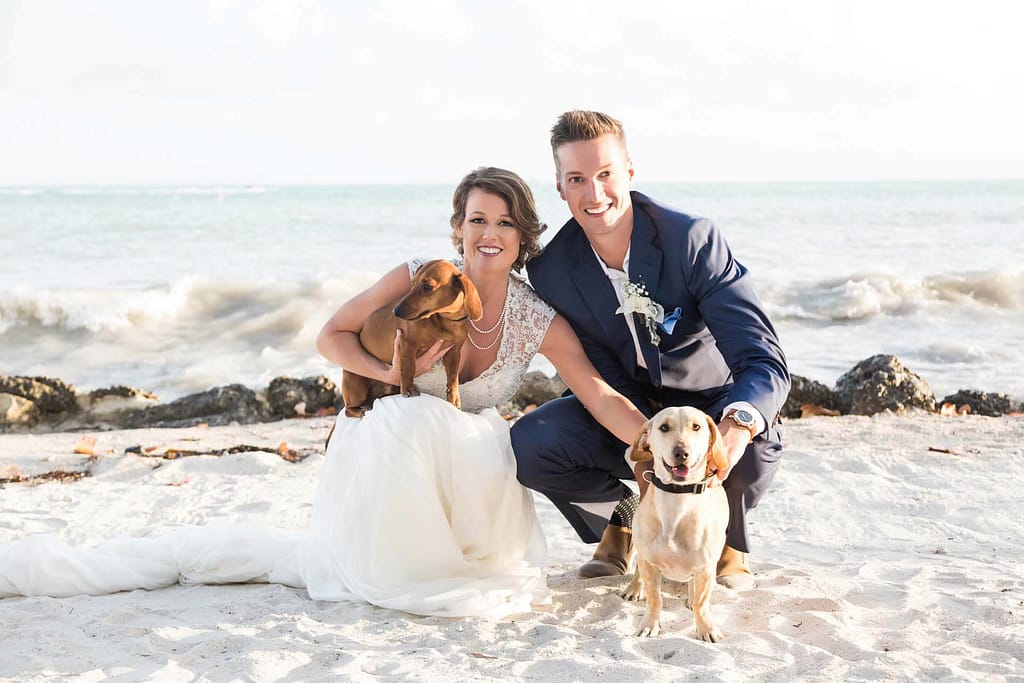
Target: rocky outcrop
[
  {"x": 290, "y": 397},
  {"x": 537, "y": 388},
  {"x": 50, "y": 396},
  {"x": 882, "y": 383},
  {"x": 218, "y": 406},
  {"x": 984, "y": 403},
  {"x": 101, "y": 403},
  {"x": 877, "y": 384},
  {"x": 17, "y": 411},
  {"x": 807, "y": 391}
]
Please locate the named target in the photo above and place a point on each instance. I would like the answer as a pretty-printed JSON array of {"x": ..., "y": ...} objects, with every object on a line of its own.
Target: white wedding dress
[{"x": 418, "y": 509}]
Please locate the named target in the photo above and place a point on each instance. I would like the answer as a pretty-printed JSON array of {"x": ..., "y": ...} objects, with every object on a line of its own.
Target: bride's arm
[
  {"x": 338, "y": 341},
  {"x": 613, "y": 410}
]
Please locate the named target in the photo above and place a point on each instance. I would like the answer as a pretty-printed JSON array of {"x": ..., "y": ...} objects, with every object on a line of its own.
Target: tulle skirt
[{"x": 418, "y": 509}]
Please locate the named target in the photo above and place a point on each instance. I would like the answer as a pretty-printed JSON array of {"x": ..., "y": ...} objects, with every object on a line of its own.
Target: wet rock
[
  {"x": 881, "y": 383},
  {"x": 110, "y": 400},
  {"x": 17, "y": 411},
  {"x": 806, "y": 391},
  {"x": 217, "y": 406},
  {"x": 290, "y": 397},
  {"x": 984, "y": 403},
  {"x": 537, "y": 388},
  {"x": 49, "y": 395},
  {"x": 510, "y": 411}
]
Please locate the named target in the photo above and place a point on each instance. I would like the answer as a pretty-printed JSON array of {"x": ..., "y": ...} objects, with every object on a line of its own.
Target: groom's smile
[{"x": 593, "y": 179}]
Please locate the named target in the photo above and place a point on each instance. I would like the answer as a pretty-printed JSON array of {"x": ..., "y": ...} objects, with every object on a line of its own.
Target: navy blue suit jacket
[{"x": 722, "y": 349}]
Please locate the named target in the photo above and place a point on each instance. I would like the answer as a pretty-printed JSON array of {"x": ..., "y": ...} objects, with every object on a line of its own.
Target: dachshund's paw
[{"x": 411, "y": 391}]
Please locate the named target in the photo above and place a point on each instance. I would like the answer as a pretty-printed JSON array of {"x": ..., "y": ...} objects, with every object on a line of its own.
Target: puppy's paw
[
  {"x": 650, "y": 627},
  {"x": 411, "y": 391},
  {"x": 455, "y": 399},
  {"x": 635, "y": 590},
  {"x": 709, "y": 634}
]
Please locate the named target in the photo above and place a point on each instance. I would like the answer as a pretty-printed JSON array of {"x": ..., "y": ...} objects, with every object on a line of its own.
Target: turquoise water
[{"x": 181, "y": 288}]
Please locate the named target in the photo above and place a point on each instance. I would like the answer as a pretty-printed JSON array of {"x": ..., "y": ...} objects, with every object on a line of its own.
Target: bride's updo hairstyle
[{"x": 521, "y": 206}]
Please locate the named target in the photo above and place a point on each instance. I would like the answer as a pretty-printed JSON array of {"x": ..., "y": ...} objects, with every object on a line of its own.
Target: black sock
[{"x": 623, "y": 513}]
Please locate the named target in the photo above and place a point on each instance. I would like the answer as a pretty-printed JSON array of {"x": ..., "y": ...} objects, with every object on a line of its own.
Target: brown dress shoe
[
  {"x": 612, "y": 555},
  {"x": 733, "y": 570}
]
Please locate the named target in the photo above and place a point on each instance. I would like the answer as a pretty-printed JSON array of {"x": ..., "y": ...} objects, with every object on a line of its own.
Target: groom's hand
[{"x": 735, "y": 440}]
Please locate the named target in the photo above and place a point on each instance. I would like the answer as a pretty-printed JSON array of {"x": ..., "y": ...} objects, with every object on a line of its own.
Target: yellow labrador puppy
[{"x": 679, "y": 527}]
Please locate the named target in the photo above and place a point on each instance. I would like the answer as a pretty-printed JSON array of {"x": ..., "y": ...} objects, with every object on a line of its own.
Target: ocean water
[{"x": 177, "y": 289}]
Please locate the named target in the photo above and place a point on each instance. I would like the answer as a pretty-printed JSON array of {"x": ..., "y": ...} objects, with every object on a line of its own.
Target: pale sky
[{"x": 308, "y": 91}]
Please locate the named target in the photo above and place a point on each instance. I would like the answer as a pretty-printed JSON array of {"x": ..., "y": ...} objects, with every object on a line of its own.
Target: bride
[{"x": 418, "y": 507}]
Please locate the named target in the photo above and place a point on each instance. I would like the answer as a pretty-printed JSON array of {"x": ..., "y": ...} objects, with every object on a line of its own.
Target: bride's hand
[
  {"x": 424, "y": 361},
  {"x": 431, "y": 356}
]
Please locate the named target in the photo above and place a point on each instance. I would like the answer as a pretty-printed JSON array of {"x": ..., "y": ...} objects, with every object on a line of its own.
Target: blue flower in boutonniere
[{"x": 636, "y": 300}]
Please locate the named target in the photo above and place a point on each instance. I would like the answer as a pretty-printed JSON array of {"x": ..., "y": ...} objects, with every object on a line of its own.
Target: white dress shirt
[{"x": 618, "y": 279}]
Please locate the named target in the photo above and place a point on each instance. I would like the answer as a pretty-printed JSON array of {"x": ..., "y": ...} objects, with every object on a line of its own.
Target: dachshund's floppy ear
[
  {"x": 474, "y": 308},
  {"x": 717, "y": 459},
  {"x": 641, "y": 448}
]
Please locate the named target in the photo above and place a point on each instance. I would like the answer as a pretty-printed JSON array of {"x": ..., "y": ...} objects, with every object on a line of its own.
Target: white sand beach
[{"x": 876, "y": 559}]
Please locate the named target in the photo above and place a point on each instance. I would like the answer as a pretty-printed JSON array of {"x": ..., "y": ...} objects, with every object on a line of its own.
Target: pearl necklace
[
  {"x": 501, "y": 318},
  {"x": 497, "y": 338}
]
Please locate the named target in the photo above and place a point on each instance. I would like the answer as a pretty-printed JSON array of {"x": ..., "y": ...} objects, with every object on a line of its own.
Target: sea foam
[{"x": 865, "y": 295}]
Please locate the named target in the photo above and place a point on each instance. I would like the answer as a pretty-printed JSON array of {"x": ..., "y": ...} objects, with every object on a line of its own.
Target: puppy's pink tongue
[{"x": 680, "y": 471}]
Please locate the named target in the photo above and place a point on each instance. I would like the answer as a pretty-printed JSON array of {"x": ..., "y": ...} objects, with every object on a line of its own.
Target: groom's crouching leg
[
  {"x": 562, "y": 452},
  {"x": 748, "y": 481}
]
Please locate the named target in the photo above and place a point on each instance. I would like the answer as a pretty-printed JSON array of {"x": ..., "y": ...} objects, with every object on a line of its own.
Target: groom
[{"x": 714, "y": 348}]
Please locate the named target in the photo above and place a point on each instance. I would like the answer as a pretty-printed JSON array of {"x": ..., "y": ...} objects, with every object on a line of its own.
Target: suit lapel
[
  {"x": 644, "y": 254},
  {"x": 595, "y": 289},
  {"x": 645, "y": 268}
]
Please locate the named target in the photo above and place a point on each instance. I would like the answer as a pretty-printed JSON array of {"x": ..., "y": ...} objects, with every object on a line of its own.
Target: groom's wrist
[{"x": 759, "y": 423}]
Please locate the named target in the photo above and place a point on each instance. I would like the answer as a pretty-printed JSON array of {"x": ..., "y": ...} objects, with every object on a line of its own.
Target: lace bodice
[{"x": 526, "y": 324}]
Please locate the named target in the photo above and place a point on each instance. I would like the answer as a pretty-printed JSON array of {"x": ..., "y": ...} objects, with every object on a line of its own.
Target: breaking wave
[
  {"x": 202, "y": 303},
  {"x": 863, "y": 296}
]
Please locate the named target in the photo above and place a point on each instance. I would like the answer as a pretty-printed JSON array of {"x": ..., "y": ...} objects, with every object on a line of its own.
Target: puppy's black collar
[{"x": 699, "y": 487}]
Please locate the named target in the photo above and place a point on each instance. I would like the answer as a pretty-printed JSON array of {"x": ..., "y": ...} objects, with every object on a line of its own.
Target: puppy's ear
[
  {"x": 717, "y": 459},
  {"x": 474, "y": 308},
  {"x": 641, "y": 447}
]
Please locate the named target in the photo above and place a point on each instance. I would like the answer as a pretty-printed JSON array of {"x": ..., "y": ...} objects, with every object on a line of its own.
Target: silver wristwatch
[{"x": 744, "y": 419}]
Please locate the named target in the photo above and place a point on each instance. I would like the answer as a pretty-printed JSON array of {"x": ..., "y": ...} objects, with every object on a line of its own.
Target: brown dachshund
[
  {"x": 679, "y": 526},
  {"x": 439, "y": 301}
]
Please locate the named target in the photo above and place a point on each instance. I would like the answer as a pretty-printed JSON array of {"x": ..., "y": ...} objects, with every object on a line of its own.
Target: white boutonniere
[{"x": 636, "y": 300}]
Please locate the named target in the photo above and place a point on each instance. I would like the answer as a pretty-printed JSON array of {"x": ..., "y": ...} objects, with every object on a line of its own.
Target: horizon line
[{"x": 249, "y": 184}]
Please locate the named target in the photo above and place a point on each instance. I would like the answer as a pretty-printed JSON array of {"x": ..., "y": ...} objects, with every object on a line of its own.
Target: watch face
[{"x": 743, "y": 417}]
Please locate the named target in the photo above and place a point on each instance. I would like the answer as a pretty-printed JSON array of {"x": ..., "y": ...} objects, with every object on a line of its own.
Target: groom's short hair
[{"x": 578, "y": 125}]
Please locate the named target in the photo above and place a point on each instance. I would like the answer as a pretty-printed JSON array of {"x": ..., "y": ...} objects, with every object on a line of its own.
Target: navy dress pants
[{"x": 562, "y": 452}]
